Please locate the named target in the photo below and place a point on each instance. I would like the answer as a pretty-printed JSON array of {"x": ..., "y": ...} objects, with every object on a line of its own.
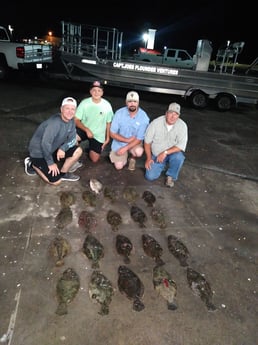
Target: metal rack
[{"x": 92, "y": 41}]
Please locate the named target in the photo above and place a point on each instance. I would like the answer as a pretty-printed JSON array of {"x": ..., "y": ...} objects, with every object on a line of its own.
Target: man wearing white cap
[
  {"x": 92, "y": 119},
  {"x": 127, "y": 131},
  {"x": 165, "y": 143},
  {"x": 53, "y": 147}
]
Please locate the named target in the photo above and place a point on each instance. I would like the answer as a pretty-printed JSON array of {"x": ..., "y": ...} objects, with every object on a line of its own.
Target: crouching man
[{"x": 53, "y": 151}]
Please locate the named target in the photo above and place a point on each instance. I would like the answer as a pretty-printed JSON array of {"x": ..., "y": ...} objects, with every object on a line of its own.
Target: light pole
[
  {"x": 50, "y": 33},
  {"x": 145, "y": 37}
]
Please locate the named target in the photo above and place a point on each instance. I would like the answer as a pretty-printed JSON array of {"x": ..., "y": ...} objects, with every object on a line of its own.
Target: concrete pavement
[{"x": 213, "y": 209}]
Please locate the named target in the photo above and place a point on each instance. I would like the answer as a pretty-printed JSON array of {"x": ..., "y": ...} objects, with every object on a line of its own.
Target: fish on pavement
[
  {"x": 152, "y": 248},
  {"x": 165, "y": 286},
  {"x": 66, "y": 289},
  {"x": 87, "y": 220},
  {"x": 131, "y": 286},
  {"x": 101, "y": 291},
  {"x": 110, "y": 193},
  {"x": 138, "y": 216},
  {"x": 124, "y": 247},
  {"x": 114, "y": 219},
  {"x": 130, "y": 194},
  {"x": 178, "y": 249},
  {"x": 93, "y": 249},
  {"x": 200, "y": 287},
  {"x": 96, "y": 186},
  {"x": 158, "y": 217},
  {"x": 149, "y": 198},
  {"x": 59, "y": 248},
  {"x": 89, "y": 197},
  {"x": 64, "y": 217},
  {"x": 67, "y": 199}
]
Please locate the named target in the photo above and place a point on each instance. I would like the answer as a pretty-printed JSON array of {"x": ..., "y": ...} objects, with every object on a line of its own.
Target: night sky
[{"x": 178, "y": 24}]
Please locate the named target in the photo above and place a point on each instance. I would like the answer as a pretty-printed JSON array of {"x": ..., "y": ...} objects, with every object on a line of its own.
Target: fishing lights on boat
[{"x": 145, "y": 37}]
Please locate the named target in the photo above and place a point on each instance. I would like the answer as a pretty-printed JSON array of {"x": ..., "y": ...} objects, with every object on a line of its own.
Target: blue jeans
[{"x": 174, "y": 162}]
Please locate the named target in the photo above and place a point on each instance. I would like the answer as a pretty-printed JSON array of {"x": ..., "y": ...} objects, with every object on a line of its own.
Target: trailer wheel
[
  {"x": 198, "y": 99},
  {"x": 224, "y": 102}
]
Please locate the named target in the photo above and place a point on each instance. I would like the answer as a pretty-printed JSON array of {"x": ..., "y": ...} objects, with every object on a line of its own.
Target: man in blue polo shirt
[{"x": 127, "y": 131}]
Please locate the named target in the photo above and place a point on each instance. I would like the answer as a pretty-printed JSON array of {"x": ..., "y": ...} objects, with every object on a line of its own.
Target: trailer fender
[
  {"x": 225, "y": 101},
  {"x": 197, "y": 98}
]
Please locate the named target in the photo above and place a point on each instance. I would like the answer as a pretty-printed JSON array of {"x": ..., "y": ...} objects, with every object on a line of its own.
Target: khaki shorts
[{"x": 118, "y": 158}]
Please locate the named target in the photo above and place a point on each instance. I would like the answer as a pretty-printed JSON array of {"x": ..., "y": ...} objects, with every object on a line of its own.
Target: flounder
[
  {"x": 67, "y": 199},
  {"x": 114, "y": 219},
  {"x": 138, "y": 215},
  {"x": 152, "y": 248},
  {"x": 59, "y": 248},
  {"x": 93, "y": 249},
  {"x": 130, "y": 194},
  {"x": 158, "y": 217},
  {"x": 178, "y": 249},
  {"x": 165, "y": 286},
  {"x": 64, "y": 217},
  {"x": 200, "y": 287},
  {"x": 124, "y": 247},
  {"x": 131, "y": 285},
  {"x": 96, "y": 186},
  {"x": 110, "y": 194},
  {"x": 149, "y": 198},
  {"x": 66, "y": 289},
  {"x": 89, "y": 197},
  {"x": 101, "y": 291},
  {"x": 87, "y": 220}
]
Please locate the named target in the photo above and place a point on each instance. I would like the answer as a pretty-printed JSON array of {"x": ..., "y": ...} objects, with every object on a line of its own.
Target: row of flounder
[
  {"x": 100, "y": 288},
  {"x": 128, "y": 282}
]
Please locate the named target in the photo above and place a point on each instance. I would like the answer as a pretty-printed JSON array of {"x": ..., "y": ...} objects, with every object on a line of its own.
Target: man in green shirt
[{"x": 92, "y": 119}]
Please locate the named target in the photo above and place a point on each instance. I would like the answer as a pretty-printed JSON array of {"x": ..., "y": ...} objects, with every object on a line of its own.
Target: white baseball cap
[
  {"x": 174, "y": 107},
  {"x": 69, "y": 101},
  {"x": 132, "y": 96}
]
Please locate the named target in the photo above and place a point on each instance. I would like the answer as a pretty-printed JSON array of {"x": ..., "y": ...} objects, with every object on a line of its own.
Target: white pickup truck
[
  {"x": 22, "y": 56},
  {"x": 177, "y": 58}
]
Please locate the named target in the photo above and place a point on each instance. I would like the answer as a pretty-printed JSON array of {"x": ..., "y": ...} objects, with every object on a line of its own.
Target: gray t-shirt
[
  {"x": 161, "y": 139},
  {"x": 52, "y": 134}
]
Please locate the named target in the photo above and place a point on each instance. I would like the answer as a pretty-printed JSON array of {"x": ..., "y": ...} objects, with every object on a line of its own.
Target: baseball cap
[
  {"x": 174, "y": 107},
  {"x": 69, "y": 101},
  {"x": 96, "y": 83},
  {"x": 132, "y": 96}
]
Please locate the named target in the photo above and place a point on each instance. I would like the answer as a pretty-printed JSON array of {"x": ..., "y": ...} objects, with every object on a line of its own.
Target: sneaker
[
  {"x": 132, "y": 163},
  {"x": 28, "y": 168},
  {"x": 169, "y": 182},
  {"x": 75, "y": 166},
  {"x": 70, "y": 177}
]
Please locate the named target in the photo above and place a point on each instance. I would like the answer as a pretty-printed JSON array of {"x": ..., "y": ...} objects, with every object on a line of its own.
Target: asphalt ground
[{"x": 212, "y": 209}]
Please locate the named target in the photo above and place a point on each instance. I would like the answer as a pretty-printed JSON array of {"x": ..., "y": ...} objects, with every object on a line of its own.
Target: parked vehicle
[
  {"x": 22, "y": 56},
  {"x": 178, "y": 58},
  {"x": 90, "y": 52}
]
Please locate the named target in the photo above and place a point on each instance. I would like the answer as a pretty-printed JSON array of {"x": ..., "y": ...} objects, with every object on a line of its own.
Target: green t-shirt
[{"x": 95, "y": 116}]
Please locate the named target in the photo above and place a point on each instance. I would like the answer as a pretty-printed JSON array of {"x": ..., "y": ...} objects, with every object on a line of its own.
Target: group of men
[{"x": 55, "y": 148}]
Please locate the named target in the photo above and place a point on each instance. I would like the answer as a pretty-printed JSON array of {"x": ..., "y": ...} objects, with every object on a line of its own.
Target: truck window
[
  {"x": 3, "y": 36},
  {"x": 171, "y": 53},
  {"x": 183, "y": 56}
]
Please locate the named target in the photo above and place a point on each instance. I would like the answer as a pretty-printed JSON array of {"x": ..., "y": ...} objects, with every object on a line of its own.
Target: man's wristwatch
[{"x": 166, "y": 152}]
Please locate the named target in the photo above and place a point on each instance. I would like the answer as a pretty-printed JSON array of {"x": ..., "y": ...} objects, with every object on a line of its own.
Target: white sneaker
[
  {"x": 132, "y": 163},
  {"x": 169, "y": 182},
  {"x": 75, "y": 166},
  {"x": 28, "y": 168}
]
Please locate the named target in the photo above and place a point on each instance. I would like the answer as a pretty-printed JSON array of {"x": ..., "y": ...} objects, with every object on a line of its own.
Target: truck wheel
[
  {"x": 198, "y": 99},
  {"x": 224, "y": 102}
]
